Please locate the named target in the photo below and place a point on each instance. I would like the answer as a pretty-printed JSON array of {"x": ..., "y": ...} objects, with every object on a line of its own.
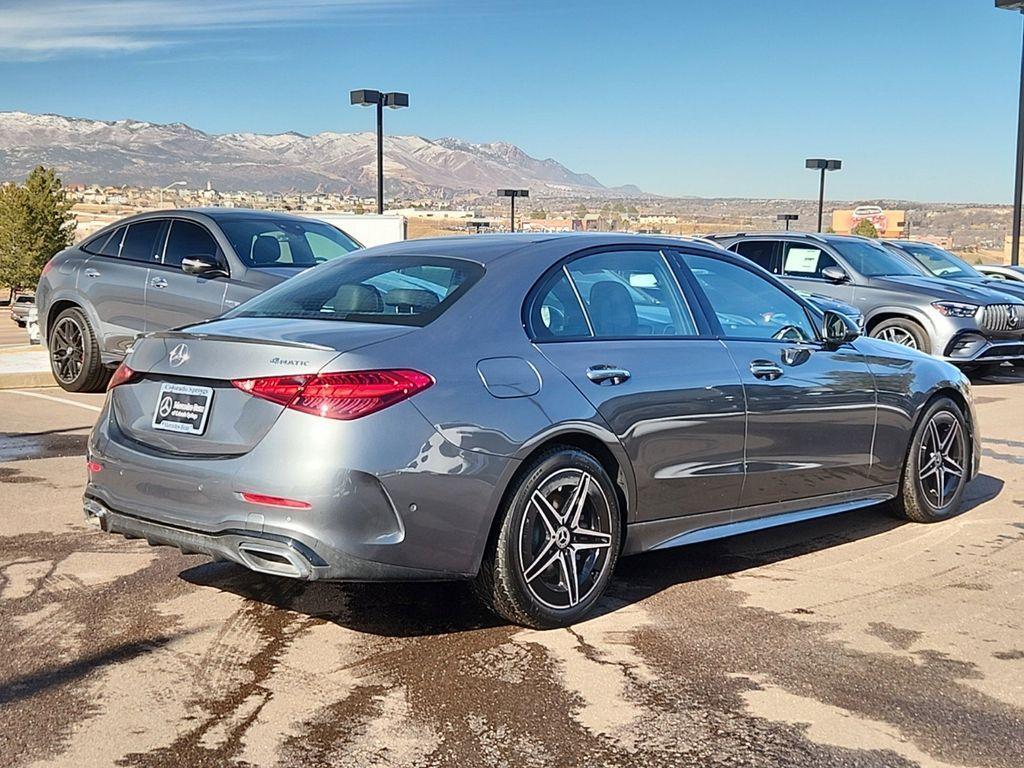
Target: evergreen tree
[
  {"x": 35, "y": 223},
  {"x": 865, "y": 228}
]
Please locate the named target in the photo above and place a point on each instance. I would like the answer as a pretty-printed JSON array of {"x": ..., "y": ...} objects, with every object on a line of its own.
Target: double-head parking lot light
[
  {"x": 512, "y": 194},
  {"x": 821, "y": 164},
  {"x": 392, "y": 100}
]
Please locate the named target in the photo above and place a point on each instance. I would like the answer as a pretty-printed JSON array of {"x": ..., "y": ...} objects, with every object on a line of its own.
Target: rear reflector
[
  {"x": 274, "y": 501},
  {"x": 123, "y": 375},
  {"x": 343, "y": 396},
  {"x": 93, "y": 466}
]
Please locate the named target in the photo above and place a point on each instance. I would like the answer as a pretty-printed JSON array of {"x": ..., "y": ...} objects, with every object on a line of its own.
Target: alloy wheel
[
  {"x": 67, "y": 349},
  {"x": 941, "y": 459},
  {"x": 899, "y": 336},
  {"x": 565, "y": 538}
]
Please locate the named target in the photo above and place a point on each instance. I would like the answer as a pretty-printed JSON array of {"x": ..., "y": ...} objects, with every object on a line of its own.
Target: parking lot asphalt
[{"x": 857, "y": 640}]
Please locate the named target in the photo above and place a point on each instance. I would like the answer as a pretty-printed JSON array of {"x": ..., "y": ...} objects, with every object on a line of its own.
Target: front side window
[
  {"x": 872, "y": 260},
  {"x": 188, "y": 239},
  {"x": 377, "y": 289},
  {"x": 631, "y": 294},
  {"x": 141, "y": 241},
  {"x": 747, "y": 305},
  {"x": 761, "y": 252},
  {"x": 805, "y": 260},
  {"x": 273, "y": 242}
]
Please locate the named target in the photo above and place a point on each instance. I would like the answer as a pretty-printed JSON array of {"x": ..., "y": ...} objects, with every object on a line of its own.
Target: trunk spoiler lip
[{"x": 236, "y": 339}]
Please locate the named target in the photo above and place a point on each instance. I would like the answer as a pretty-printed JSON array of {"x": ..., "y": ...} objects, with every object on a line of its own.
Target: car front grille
[{"x": 1002, "y": 318}]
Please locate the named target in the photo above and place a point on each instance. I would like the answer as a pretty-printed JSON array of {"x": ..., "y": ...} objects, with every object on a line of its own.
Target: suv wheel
[
  {"x": 937, "y": 464},
  {"x": 75, "y": 353},
  {"x": 557, "y": 544},
  {"x": 904, "y": 332}
]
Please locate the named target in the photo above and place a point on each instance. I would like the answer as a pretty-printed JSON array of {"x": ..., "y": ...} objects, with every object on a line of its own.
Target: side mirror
[
  {"x": 835, "y": 274},
  {"x": 838, "y": 328},
  {"x": 203, "y": 266}
]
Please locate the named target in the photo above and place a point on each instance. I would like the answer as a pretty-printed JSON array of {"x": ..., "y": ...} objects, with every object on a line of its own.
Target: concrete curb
[{"x": 26, "y": 379}]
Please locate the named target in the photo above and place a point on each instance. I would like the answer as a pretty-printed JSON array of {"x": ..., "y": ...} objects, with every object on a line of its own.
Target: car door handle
[
  {"x": 158, "y": 282},
  {"x": 90, "y": 272},
  {"x": 607, "y": 374},
  {"x": 765, "y": 369}
]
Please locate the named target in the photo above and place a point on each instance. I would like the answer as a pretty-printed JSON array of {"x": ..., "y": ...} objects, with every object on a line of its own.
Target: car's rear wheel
[
  {"x": 75, "y": 353},
  {"x": 904, "y": 332},
  {"x": 557, "y": 544},
  {"x": 937, "y": 465}
]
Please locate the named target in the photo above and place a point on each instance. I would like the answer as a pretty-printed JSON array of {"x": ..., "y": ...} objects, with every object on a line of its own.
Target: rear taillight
[
  {"x": 344, "y": 396},
  {"x": 123, "y": 375},
  {"x": 274, "y": 501}
]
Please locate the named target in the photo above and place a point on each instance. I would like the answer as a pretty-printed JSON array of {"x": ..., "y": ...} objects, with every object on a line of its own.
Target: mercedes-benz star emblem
[{"x": 178, "y": 356}]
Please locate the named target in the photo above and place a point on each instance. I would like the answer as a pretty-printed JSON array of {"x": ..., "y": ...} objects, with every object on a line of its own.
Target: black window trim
[
  {"x": 697, "y": 315},
  {"x": 743, "y": 263},
  {"x": 123, "y": 228}
]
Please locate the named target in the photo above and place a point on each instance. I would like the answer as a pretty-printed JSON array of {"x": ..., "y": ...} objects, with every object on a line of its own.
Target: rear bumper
[{"x": 273, "y": 554}]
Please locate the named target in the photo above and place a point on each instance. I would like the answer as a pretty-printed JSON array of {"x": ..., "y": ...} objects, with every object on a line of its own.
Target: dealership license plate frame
[{"x": 178, "y": 395}]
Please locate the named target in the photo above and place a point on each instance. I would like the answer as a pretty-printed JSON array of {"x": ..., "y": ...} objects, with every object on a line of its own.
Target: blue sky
[{"x": 713, "y": 98}]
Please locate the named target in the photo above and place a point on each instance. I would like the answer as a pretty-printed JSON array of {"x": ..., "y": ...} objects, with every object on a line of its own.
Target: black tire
[
  {"x": 75, "y": 353},
  {"x": 900, "y": 328},
  {"x": 514, "y": 580},
  {"x": 919, "y": 498}
]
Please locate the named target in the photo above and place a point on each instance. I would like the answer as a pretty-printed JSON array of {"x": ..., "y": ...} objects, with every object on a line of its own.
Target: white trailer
[{"x": 368, "y": 228}]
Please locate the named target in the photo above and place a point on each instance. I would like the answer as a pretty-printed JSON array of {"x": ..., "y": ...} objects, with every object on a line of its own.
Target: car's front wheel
[
  {"x": 557, "y": 542},
  {"x": 75, "y": 353},
  {"x": 937, "y": 465},
  {"x": 904, "y": 332}
]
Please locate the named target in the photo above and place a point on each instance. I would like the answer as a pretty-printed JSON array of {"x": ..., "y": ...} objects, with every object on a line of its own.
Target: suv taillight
[{"x": 343, "y": 396}]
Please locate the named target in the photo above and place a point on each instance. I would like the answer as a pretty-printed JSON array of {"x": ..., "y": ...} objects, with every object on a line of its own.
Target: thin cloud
[{"x": 40, "y": 29}]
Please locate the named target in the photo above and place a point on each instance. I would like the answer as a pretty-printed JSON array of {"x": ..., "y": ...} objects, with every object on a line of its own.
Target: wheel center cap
[{"x": 562, "y": 537}]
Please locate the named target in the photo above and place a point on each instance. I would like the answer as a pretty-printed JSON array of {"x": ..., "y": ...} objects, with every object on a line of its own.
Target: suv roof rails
[{"x": 767, "y": 233}]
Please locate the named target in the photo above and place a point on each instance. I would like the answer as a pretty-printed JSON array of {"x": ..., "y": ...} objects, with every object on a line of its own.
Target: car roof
[{"x": 822, "y": 237}]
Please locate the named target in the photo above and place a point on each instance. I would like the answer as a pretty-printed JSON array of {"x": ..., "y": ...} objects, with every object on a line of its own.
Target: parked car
[
  {"x": 937, "y": 262},
  {"x": 162, "y": 270},
  {"x": 1002, "y": 272},
  {"x": 964, "y": 324},
  {"x": 20, "y": 305},
  {"x": 521, "y": 425}
]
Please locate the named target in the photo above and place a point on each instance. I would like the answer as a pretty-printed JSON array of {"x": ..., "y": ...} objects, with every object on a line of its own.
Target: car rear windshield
[
  {"x": 270, "y": 242},
  {"x": 873, "y": 260},
  {"x": 397, "y": 290}
]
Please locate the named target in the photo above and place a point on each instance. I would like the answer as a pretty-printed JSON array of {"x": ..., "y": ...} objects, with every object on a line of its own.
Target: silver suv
[
  {"x": 162, "y": 270},
  {"x": 969, "y": 325}
]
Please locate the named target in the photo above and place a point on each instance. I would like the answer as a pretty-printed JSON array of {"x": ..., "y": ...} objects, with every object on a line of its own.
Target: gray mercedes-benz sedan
[{"x": 521, "y": 411}]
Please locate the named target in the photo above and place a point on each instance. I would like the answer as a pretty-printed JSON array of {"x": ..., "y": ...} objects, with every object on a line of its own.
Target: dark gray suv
[
  {"x": 162, "y": 270},
  {"x": 969, "y": 325}
]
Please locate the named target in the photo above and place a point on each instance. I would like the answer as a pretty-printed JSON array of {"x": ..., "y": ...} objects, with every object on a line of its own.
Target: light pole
[
  {"x": 787, "y": 217},
  {"x": 391, "y": 100},
  {"x": 1018, "y": 181},
  {"x": 512, "y": 194},
  {"x": 172, "y": 184},
  {"x": 820, "y": 164}
]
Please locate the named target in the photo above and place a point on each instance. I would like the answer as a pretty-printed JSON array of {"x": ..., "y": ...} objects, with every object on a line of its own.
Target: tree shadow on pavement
[{"x": 410, "y": 609}]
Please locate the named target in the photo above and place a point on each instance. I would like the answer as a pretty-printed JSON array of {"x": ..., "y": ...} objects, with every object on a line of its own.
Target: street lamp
[
  {"x": 172, "y": 184},
  {"x": 391, "y": 100},
  {"x": 820, "y": 164},
  {"x": 479, "y": 224},
  {"x": 1018, "y": 182},
  {"x": 512, "y": 194},
  {"x": 787, "y": 217}
]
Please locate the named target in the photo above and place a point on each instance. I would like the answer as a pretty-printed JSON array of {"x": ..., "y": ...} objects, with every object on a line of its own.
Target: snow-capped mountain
[{"x": 141, "y": 153}]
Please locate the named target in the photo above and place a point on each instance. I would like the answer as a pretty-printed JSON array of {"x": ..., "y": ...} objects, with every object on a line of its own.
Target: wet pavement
[{"x": 851, "y": 641}]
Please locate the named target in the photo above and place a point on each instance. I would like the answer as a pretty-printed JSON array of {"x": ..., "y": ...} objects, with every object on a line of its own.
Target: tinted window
[
  {"x": 872, "y": 260},
  {"x": 274, "y": 242},
  {"x": 805, "y": 260},
  {"x": 375, "y": 289},
  {"x": 629, "y": 294},
  {"x": 939, "y": 262},
  {"x": 113, "y": 245},
  {"x": 141, "y": 240},
  {"x": 556, "y": 312},
  {"x": 758, "y": 251},
  {"x": 748, "y": 305},
  {"x": 188, "y": 239}
]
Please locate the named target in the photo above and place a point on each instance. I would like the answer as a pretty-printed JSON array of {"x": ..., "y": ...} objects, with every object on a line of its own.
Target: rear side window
[
  {"x": 377, "y": 289},
  {"x": 556, "y": 313},
  {"x": 141, "y": 242},
  {"x": 761, "y": 252},
  {"x": 188, "y": 239},
  {"x": 109, "y": 245}
]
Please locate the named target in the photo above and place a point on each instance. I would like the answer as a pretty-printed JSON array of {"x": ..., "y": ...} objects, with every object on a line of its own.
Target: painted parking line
[{"x": 63, "y": 400}]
